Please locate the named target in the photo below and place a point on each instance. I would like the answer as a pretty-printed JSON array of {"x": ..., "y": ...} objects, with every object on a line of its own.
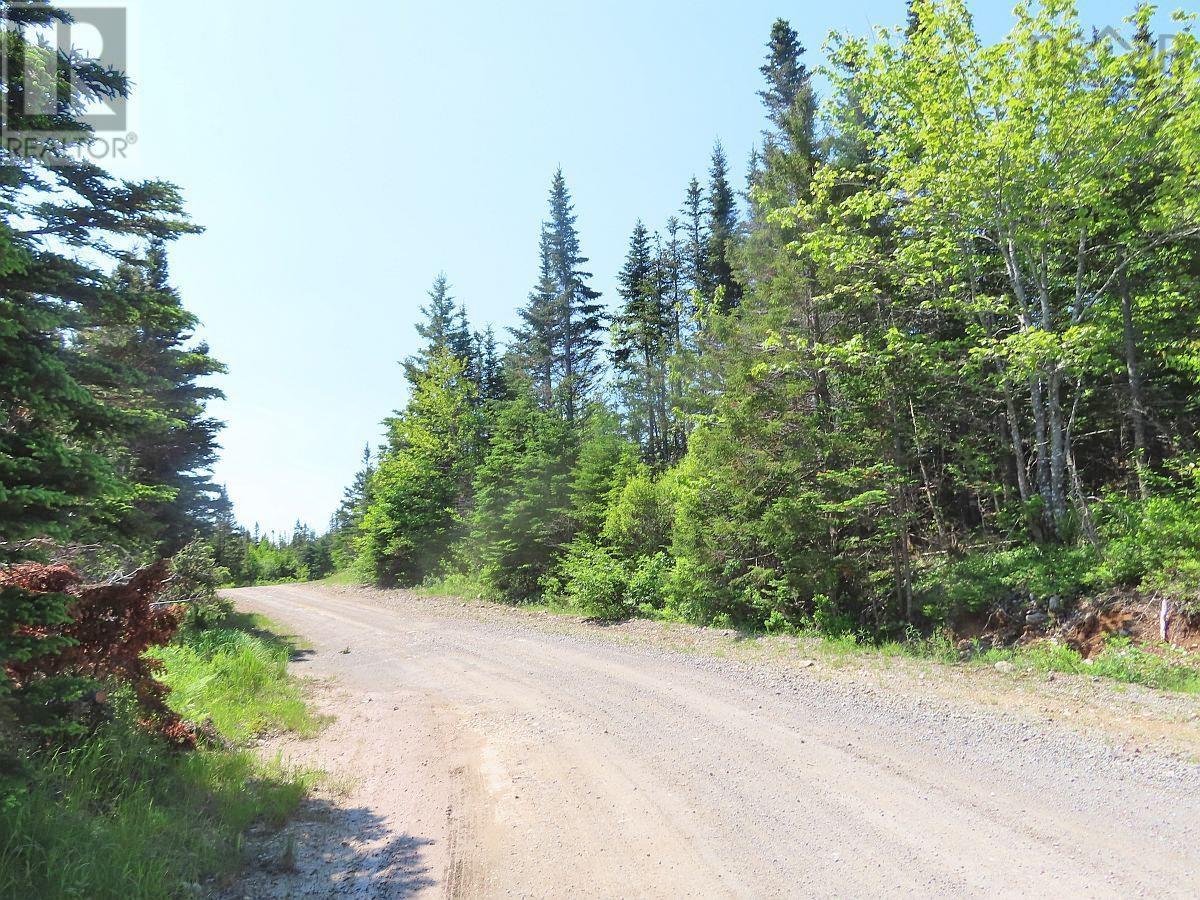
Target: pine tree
[
  {"x": 560, "y": 335},
  {"x": 418, "y": 492},
  {"x": 346, "y": 520},
  {"x": 790, "y": 146},
  {"x": 491, "y": 379},
  {"x": 642, "y": 339},
  {"x": 444, "y": 329},
  {"x": 722, "y": 232},
  {"x": 786, "y": 76},
  {"x": 522, "y": 513},
  {"x": 536, "y": 339},
  {"x": 144, "y": 362},
  {"x": 696, "y": 244}
]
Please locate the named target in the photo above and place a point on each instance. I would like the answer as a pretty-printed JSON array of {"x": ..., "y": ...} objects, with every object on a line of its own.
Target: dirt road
[{"x": 482, "y": 752}]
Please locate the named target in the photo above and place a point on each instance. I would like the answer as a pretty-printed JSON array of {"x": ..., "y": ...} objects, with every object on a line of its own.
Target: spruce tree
[
  {"x": 561, "y": 330},
  {"x": 722, "y": 231},
  {"x": 144, "y": 362},
  {"x": 444, "y": 329},
  {"x": 641, "y": 338},
  {"x": 491, "y": 379},
  {"x": 695, "y": 241}
]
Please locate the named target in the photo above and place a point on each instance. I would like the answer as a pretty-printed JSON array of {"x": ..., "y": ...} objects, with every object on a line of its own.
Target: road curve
[{"x": 491, "y": 758}]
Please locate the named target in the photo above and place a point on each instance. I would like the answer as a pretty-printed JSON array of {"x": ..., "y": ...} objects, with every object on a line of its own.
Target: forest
[{"x": 937, "y": 357}]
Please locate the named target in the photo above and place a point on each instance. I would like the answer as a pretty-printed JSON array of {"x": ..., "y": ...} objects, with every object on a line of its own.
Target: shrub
[
  {"x": 646, "y": 592},
  {"x": 195, "y": 579},
  {"x": 981, "y": 580},
  {"x": 595, "y": 582},
  {"x": 58, "y": 671},
  {"x": 638, "y": 520},
  {"x": 1154, "y": 543}
]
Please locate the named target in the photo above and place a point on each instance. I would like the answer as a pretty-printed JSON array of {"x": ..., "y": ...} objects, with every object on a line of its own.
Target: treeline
[
  {"x": 943, "y": 355},
  {"x": 248, "y": 558}
]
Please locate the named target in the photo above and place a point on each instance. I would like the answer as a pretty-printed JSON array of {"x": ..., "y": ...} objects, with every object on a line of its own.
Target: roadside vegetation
[
  {"x": 938, "y": 368},
  {"x": 122, "y": 813}
]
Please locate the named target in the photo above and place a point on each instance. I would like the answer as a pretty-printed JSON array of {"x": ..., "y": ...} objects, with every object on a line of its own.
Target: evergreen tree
[
  {"x": 143, "y": 362},
  {"x": 785, "y": 74},
  {"x": 444, "y": 329},
  {"x": 418, "y": 492},
  {"x": 491, "y": 380},
  {"x": 695, "y": 240},
  {"x": 642, "y": 339},
  {"x": 561, "y": 332},
  {"x": 536, "y": 340},
  {"x": 522, "y": 513},
  {"x": 722, "y": 232},
  {"x": 347, "y": 519}
]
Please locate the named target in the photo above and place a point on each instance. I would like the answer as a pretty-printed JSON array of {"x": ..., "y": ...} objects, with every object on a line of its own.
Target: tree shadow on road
[{"x": 328, "y": 850}]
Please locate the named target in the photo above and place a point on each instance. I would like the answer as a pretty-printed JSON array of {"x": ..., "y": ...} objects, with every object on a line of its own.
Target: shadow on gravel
[{"x": 329, "y": 850}]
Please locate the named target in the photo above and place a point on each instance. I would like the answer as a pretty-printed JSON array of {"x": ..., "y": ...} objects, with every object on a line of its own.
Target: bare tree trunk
[
  {"x": 1041, "y": 436},
  {"x": 1058, "y": 449},
  {"x": 1137, "y": 402}
]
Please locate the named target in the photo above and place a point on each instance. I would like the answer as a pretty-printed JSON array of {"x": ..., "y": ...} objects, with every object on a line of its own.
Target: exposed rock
[{"x": 1004, "y": 666}]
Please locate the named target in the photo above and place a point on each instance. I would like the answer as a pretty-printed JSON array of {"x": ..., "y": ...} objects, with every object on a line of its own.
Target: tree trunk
[{"x": 1137, "y": 403}]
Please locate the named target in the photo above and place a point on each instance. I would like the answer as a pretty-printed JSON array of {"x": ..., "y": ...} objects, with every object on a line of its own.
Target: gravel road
[{"x": 481, "y": 752}]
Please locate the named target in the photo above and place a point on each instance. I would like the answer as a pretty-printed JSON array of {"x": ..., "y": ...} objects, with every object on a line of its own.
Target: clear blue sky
[{"x": 341, "y": 156}]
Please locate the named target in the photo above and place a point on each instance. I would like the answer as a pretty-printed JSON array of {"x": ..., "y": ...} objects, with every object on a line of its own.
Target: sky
[{"x": 340, "y": 157}]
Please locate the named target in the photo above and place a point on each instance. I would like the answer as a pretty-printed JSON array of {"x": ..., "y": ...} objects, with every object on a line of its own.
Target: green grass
[
  {"x": 237, "y": 676},
  {"x": 454, "y": 584},
  {"x": 1164, "y": 667},
  {"x": 122, "y": 816},
  {"x": 346, "y": 576}
]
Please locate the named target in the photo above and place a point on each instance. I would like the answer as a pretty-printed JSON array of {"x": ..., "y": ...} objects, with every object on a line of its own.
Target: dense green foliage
[
  {"x": 942, "y": 357},
  {"x": 119, "y": 815}
]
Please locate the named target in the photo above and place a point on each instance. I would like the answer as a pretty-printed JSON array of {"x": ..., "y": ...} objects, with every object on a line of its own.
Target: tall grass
[
  {"x": 122, "y": 816},
  {"x": 237, "y": 677}
]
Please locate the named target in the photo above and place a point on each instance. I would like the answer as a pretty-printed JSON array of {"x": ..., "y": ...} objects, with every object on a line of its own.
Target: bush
[
  {"x": 595, "y": 582},
  {"x": 646, "y": 592},
  {"x": 982, "y": 580},
  {"x": 638, "y": 520},
  {"x": 1155, "y": 544},
  {"x": 195, "y": 579}
]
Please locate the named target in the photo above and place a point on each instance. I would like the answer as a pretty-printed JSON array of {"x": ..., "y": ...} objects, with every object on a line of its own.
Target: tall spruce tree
[
  {"x": 695, "y": 240},
  {"x": 144, "y": 363},
  {"x": 722, "y": 232},
  {"x": 641, "y": 338},
  {"x": 445, "y": 329},
  {"x": 561, "y": 331}
]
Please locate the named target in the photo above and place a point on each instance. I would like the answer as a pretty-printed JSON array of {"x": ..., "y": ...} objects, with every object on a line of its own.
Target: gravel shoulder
[{"x": 479, "y": 750}]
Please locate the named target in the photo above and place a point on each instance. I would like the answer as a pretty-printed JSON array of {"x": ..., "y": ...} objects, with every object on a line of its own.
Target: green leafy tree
[{"x": 419, "y": 490}]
